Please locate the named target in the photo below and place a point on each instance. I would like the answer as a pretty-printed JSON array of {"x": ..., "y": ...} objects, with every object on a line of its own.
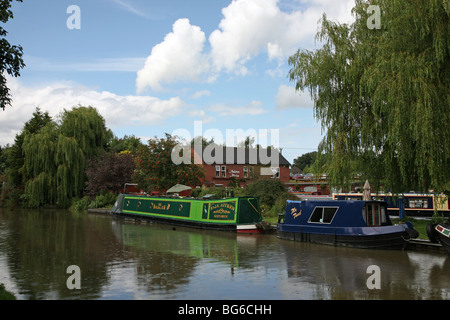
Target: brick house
[{"x": 229, "y": 166}]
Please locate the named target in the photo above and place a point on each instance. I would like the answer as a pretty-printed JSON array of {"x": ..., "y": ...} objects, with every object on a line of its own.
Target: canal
[{"x": 124, "y": 260}]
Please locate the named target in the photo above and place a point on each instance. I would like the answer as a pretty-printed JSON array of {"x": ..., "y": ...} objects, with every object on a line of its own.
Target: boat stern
[
  {"x": 258, "y": 227},
  {"x": 118, "y": 205}
]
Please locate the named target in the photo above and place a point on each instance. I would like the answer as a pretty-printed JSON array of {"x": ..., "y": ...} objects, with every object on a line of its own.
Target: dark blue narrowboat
[{"x": 361, "y": 224}]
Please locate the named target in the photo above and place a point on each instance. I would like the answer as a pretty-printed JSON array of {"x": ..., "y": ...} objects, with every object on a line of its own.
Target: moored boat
[
  {"x": 361, "y": 224},
  {"x": 440, "y": 233},
  {"x": 238, "y": 214}
]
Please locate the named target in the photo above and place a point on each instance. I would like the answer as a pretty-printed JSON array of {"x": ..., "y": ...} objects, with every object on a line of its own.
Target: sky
[{"x": 217, "y": 68}]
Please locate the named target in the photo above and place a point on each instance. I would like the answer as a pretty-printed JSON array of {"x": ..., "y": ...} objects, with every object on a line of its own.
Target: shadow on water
[{"x": 123, "y": 260}]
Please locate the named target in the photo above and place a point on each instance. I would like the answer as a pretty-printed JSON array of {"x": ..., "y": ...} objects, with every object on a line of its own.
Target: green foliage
[
  {"x": 3, "y": 159},
  {"x": 127, "y": 143},
  {"x": 80, "y": 204},
  {"x": 267, "y": 191},
  {"x": 4, "y": 294},
  {"x": 155, "y": 169},
  {"x": 382, "y": 96},
  {"x": 10, "y": 55},
  {"x": 104, "y": 200},
  {"x": 305, "y": 160},
  {"x": 54, "y": 157},
  {"x": 87, "y": 127},
  {"x": 272, "y": 195},
  {"x": 16, "y": 159}
]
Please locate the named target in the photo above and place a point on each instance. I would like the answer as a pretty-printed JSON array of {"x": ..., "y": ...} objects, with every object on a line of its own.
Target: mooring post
[{"x": 401, "y": 207}]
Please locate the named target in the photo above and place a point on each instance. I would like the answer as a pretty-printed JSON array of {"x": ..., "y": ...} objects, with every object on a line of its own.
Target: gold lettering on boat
[
  {"x": 296, "y": 214},
  {"x": 223, "y": 210}
]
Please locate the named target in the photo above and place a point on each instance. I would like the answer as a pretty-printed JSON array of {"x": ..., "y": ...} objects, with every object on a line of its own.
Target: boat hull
[
  {"x": 239, "y": 215},
  {"x": 440, "y": 233},
  {"x": 396, "y": 240},
  {"x": 358, "y": 224}
]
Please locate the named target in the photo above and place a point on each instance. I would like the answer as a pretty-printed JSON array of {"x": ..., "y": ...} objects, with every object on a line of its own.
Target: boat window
[
  {"x": 383, "y": 214},
  {"x": 328, "y": 214},
  {"x": 375, "y": 214},
  {"x": 205, "y": 211},
  {"x": 323, "y": 214},
  {"x": 418, "y": 203}
]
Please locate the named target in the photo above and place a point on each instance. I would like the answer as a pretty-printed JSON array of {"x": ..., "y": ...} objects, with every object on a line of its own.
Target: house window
[
  {"x": 224, "y": 171},
  {"x": 323, "y": 214},
  {"x": 276, "y": 172},
  {"x": 217, "y": 171},
  {"x": 245, "y": 172}
]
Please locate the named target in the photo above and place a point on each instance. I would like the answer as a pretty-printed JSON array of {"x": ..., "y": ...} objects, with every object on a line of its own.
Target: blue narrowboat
[{"x": 361, "y": 224}]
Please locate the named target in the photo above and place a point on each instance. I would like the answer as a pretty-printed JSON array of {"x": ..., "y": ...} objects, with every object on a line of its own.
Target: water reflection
[
  {"x": 342, "y": 273},
  {"x": 122, "y": 260},
  {"x": 40, "y": 245}
]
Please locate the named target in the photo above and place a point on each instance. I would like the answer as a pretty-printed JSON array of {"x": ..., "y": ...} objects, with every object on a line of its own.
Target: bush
[
  {"x": 271, "y": 194},
  {"x": 80, "y": 204},
  {"x": 267, "y": 191},
  {"x": 105, "y": 199}
]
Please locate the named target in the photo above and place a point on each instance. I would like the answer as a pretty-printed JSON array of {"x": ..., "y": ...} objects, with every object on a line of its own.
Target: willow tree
[
  {"x": 87, "y": 127},
  {"x": 382, "y": 94},
  {"x": 55, "y": 157}
]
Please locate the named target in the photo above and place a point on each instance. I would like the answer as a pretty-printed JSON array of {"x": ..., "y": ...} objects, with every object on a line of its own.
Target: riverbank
[{"x": 5, "y": 294}]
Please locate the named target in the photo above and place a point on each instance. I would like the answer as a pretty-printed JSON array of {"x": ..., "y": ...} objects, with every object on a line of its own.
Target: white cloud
[
  {"x": 202, "y": 115},
  {"x": 288, "y": 97},
  {"x": 248, "y": 27},
  {"x": 98, "y": 65},
  {"x": 178, "y": 57},
  {"x": 200, "y": 94},
  {"x": 118, "y": 111},
  {"x": 253, "y": 108}
]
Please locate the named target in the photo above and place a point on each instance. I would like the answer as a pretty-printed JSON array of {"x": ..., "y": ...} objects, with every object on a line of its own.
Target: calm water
[{"x": 123, "y": 260}]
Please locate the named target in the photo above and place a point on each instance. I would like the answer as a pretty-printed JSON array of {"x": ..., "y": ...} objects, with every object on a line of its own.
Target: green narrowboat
[{"x": 237, "y": 214}]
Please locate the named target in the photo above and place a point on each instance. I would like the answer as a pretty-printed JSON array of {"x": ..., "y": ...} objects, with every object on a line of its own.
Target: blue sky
[{"x": 152, "y": 67}]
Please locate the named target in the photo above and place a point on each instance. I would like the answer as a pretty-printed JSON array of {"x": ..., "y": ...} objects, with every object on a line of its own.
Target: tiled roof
[{"x": 213, "y": 154}]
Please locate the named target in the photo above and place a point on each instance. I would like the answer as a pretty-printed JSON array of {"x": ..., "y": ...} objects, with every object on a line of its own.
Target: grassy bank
[
  {"x": 6, "y": 295},
  {"x": 419, "y": 224}
]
